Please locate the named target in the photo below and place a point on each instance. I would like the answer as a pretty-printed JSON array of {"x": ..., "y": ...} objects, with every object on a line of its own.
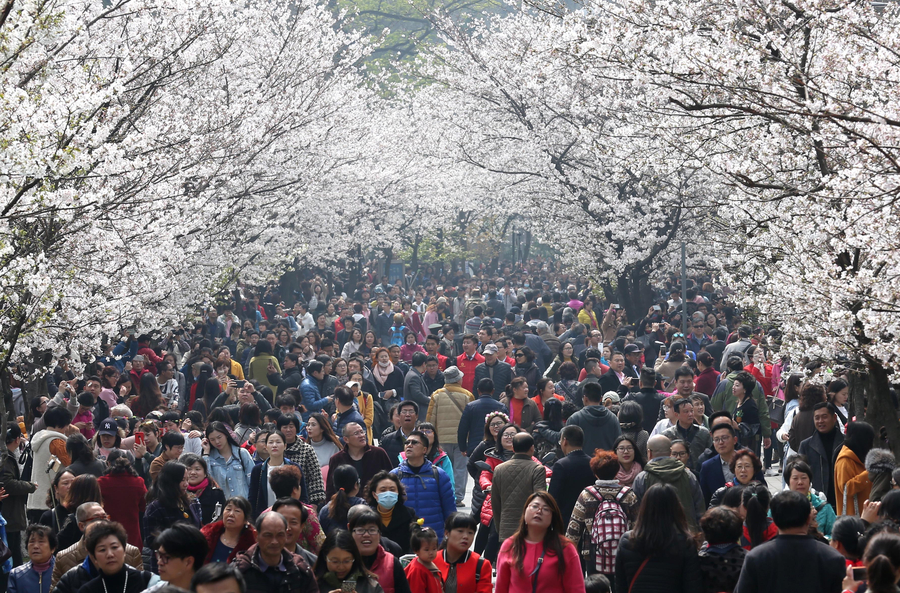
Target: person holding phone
[{"x": 340, "y": 568}]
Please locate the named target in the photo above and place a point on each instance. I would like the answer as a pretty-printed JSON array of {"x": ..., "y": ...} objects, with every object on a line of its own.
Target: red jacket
[
  {"x": 765, "y": 379},
  {"x": 465, "y": 572},
  {"x": 123, "y": 497},
  {"x": 468, "y": 369},
  {"x": 422, "y": 580},
  {"x": 706, "y": 381},
  {"x": 152, "y": 358},
  {"x": 214, "y": 531}
]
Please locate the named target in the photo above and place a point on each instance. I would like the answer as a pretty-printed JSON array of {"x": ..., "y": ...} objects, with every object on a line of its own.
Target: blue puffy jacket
[
  {"x": 311, "y": 392},
  {"x": 429, "y": 493}
]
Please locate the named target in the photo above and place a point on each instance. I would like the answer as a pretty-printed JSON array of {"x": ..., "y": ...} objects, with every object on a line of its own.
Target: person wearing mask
[
  {"x": 793, "y": 561},
  {"x": 658, "y": 554},
  {"x": 820, "y": 450},
  {"x": 572, "y": 473},
  {"x": 538, "y": 557},
  {"x": 35, "y": 575},
  {"x": 180, "y": 553},
  {"x": 358, "y": 453},
  {"x": 620, "y": 505},
  {"x": 851, "y": 480},
  {"x": 445, "y": 412},
  {"x": 662, "y": 468},
  {"x": 494, "y": 369},
  {"x": 648, "y": 397},
  {"x": 17, "y": 491},
  {"x": 386, "y": 495},
  {"x": 267, "y": 566},
  {"x": 601, "y": 427},
  {"x": 697, "y": 437},
  {"x": 414, "y": 386},
  {"x": 428, "y": 488}
]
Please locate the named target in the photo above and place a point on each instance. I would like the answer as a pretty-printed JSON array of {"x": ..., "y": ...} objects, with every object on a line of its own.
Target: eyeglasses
[
  {"x": 365, "y": 530},
  {"x": 508, "y": 436},
  {"x": 163, "y": 558},
  {"x": 407, "y": 412},
  {"x": 743, "y": 467},
  {"x": 344, "y": 562},
  {"x": 496, "y": 424},
  {"x": 720, "y": 440},
  {"x": 624, "y": 449},
  {"x": 520, "y": 356},
  {"x": 539, "y": 508},
  {"x": 679, "y": 453},
  {"x": 412, "y": 442},
  {"x": 427, "y": 431}
]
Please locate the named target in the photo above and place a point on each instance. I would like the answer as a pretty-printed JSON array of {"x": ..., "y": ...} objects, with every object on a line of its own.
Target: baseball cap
[
  {"x": 109, "y": 427},
  {"x": 490, "y": 349}
]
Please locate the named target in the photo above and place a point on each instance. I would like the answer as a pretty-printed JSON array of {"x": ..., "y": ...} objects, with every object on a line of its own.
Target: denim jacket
[{"x": 232, "y": 476}]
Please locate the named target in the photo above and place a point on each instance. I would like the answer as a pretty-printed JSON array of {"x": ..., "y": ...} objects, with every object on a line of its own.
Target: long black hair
[
  {"x": 756, "y": 499},
  {"x": 346, "y": 478},
  {"x": 167, "y": 488},
  {"x": 341, "y": 539},
  {"x": 223, "y": 428},
  {"x": 660, "y": 520},
  {"x": 859, "y": 438}
]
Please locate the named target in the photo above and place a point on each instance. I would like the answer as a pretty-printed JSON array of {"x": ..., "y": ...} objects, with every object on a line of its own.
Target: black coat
[
  {"x": 822, "y": 462},
  {"x": 502, "y": 376},
  {"x": 792, "y": 563},
  {"x": 609, "y": 381},
  {"x": 471, "y": 425},
  {"x": 208, "y": 501},
  {"x": 290, "y": 378},
  {"x": 571, "y": 475},
  {"x": 398, "y": 529},
  {"x": 675, "y": 571},
  {"x": 393, "y": 446},
  {"x": 650, "y": 400}
]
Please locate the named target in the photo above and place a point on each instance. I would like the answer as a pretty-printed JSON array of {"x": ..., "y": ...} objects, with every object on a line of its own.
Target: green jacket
[
  {"x": 723, "y": 399},
  {"x": 670, "y": 471}
]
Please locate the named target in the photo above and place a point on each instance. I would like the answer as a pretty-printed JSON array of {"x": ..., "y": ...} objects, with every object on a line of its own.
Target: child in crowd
[
  {"x": 85, "y": 415},
  {"x": 423, "y": 575}
]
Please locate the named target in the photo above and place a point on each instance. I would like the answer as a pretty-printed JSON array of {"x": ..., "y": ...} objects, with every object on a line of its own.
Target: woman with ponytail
[
  {"x": 758, "y": 527},
  {"x": 334, "y": 514},
  {"x": 847, "y": 538},
  {"x": 882, "y": 559}
]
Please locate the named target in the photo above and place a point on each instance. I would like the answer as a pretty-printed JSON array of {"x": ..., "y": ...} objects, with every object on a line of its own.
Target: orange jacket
[{"x": 851, "y": 483}]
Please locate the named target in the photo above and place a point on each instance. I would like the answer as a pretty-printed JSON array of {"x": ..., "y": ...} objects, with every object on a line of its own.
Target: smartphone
[
  {"x": 240, "y": 383},
  {"x": 859, "y": 573},
  {"x": 663, "y": 349},
  {"x": 656, "y": 308},
  {"x": 614, "y": 306},
  {"x": 348, "y": 587},
  {"x": 139, "y": 438}
]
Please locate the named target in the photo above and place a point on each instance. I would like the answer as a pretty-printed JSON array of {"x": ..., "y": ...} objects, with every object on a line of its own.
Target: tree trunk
[
  {"x": 856, "y": 405},
  {"x": 414, "y": 264},
  {"x": 880, "y": 411}
]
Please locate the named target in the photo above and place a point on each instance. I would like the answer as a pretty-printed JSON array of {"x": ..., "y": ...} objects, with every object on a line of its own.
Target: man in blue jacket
[
  {"x": 310, "y": 389},
  {"x": 428, "y": 489},
  {"x": 715, "y": 471},
  {"x": 346, "y": 413},
  {"x": 471, "y": 425}
]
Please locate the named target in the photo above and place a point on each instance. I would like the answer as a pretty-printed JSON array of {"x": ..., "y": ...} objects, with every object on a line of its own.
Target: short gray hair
[
  {"x": 349, "y": 425},
  {"x": 81, "y": 513}
]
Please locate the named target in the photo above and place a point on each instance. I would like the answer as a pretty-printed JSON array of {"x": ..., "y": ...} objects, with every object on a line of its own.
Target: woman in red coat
[
  {"x": 124, "y": 494},
  {"x": 230, "y": 534},
  {"x": 760, "y": 369}
]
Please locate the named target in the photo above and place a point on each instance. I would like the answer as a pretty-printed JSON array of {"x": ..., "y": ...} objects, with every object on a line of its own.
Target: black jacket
[
  {"x": 471, "y": 424},
  {"x": 609, "y": 381},
  {"x": 208, "y": 500},
  {"x": 571, "y": 475},
  {"x": 290, "y": 378},
  {"x": 650, "y": 400},
  {"x": 502, "y": 375},
  {"x": 822, "y": 462},
  {"x": 393, "y": 446},
  {"x": 677, "y": 570},
  {"x": 398, "y": 530},
  {"x": 792, "y": 563}
]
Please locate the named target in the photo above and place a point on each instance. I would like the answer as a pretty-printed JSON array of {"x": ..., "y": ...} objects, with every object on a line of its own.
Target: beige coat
[{"x": 445, "y": 411}]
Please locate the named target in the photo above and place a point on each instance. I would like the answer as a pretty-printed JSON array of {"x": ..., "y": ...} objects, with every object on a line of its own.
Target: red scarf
[{"x": 199, "y": 487}]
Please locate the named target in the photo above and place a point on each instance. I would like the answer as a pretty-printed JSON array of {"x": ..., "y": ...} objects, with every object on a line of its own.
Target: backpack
[{"x": 610, "y": 524}]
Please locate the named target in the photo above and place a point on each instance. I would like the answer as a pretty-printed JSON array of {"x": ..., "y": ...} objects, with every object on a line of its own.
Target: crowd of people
[{"x": 325, "y": 442}]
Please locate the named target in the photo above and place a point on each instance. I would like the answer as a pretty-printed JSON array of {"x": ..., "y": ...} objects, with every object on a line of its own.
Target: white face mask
[{"x": 384, "y": 365}]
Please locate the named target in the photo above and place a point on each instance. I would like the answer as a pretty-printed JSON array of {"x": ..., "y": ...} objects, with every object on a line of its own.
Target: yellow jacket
[
  {"x": 851, "y": 483},
  {"x": 367, "y": 411}
]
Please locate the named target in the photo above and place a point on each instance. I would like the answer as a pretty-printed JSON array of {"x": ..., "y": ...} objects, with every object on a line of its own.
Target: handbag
[{"x": 776, "y": 410}]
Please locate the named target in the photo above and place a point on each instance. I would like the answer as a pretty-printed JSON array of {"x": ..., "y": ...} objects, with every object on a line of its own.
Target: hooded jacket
[
  {"x": 851, "y": 483},
  {"x": 880, "y": 464},
  {"x": 40, "y": 446},
  {"x": 601, "y": 428},
  {"x": 428, "y": 493},
  {"x": 667, "y": 470}
]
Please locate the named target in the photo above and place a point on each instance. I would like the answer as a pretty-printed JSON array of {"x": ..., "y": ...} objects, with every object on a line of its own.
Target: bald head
[{"x": 659, "y": 446}]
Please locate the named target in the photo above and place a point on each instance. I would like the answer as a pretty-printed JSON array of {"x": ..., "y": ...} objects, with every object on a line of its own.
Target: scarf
[
  {"x": 199, "y": 487},
  {"x": 39, "y": 568},
  {"x": 382, "y": 376},
  {"x": 626, "y": 478}
]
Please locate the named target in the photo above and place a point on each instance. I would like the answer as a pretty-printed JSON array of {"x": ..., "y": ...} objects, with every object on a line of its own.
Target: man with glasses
[
  {"x": 428, "y": 488},
  {"x": 572, "y": 473},
  {"x": 367, "y": 460},
  {"x": 394, "y": 442},
  {"x": 697, "y": 339},
  {"x": 66, "y": 577},
  {"x": 181, "y": 551},
  {"x": 715, "y": 472}
]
